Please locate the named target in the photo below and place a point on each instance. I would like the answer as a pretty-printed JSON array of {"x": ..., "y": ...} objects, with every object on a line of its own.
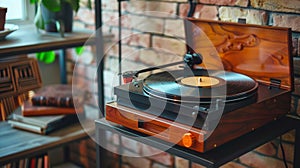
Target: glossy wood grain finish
[
  {"x": 17, "y": 144},
  {"x": 154, "y": 126},
  {"x": 261, "y": 52},
  {"x": 230, "y": 126}
]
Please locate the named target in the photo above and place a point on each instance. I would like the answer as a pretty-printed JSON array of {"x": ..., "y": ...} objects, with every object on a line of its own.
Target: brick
[
  {"x": 154, "y": 58},
  {"x": 124, "y": 166},
  {"x": 124, "y": 37},
  {"x": 86, "y": 57},
  {"x": 110, "y": 79},
  {"x": 129, "y": 55},
  {"x": 157, "y": 155},
  {"x": 149, "y": 57},
  {"x": 233, "y": 165},
  {"x": 127, "y": 21},
  {"x": 288, "y": 150},
  {"x": 286, "y": 20},
  {"x": 91, "y": 72},
  {"x": 277, "y": 5},
  {"x": 146, "y": 24},
  {"x": 296, "y": 62},
  {"x": 109, "y": 5},
  {"x": 113, "y": 138},
  {"x": 267, "y": 149},
  {"x": 130, "y": 66},
  {"x": 137, "y": 162},
  {"x": 86, "y": 16},
  {"x": 110, "y": 18},
  {"x": 206, "y": 12},
  {"x": 152, "y": 8},
  {"x": 298, "y": 48},
  {"x": 80, "y": 69},
  {"x": 91, "y": 112},
  {"x": 232, "y": 14},
  {"x": 201, "y": 11},
  {"x": 174, "y": 28},
  {"x": 252, "y": 159},
  {"x": 70, "y": 66},
  {"x": 156, "y": 165},
  {"x": 176, "y": 0},
  {"x": 294, "y": 105},
  {"x": 181, "y": 163},
  {"x": 170, "y": 45},
  {"x": 78, "y": 24},
  {"x": 140, "y": 40},
  {"x": 289, "y": 137},
  {"x": 295, "y": 47},
  {"x": 243, "y": 3},
  {"x": 131, "y": 145},
  {"x": 108, "y": 93},
  {"x": 70, "y": 55},
  {"x": 194, "y": 165},
  {"x": 135, "y": 6},
  {"x": 110, "y": 63},
  {"x": 69, "y": 79},
  {"x": 90, "y": 27}
]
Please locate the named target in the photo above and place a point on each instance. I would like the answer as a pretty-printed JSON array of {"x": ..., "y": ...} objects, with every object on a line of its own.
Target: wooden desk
[
  {"x": 213, "y": 158},
  {"x": 17, "y": 144}
]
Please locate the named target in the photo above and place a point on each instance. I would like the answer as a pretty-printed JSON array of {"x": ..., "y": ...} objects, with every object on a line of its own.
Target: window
[{"x": 18, "y": 11}]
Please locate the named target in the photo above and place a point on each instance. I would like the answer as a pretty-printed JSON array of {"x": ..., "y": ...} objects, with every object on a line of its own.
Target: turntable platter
[{"x": 177, "y": 86}]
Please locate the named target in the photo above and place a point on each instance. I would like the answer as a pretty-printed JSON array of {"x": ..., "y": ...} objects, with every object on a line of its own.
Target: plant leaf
[
  {"x": 34, "y": 1},
  {"x": 89, "y": 4},
  {"x": 47, "y": 57},
  {"x": 38, "y": 19},
  {"x": 79, "y": 50},
  {"x": 52, "y": 5}
]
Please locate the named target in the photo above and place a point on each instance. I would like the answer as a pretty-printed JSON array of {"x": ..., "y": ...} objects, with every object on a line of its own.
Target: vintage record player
[{"x": 203, "y": 102}]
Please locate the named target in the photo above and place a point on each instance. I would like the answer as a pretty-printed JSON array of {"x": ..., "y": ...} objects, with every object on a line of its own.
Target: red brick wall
[{"x": 154, "y": 38}]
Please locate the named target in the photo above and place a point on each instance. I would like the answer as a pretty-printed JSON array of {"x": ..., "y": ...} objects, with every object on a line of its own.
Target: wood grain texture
[
  {"x": 231, "y": 125},
  {"x": 153, "y": 126},
  {"x": 16, "y": 144},
  {"x": 260, "y": 52}
]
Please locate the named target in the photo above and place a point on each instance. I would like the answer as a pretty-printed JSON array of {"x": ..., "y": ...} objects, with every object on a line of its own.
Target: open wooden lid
[{"x": 261, "y": 52}]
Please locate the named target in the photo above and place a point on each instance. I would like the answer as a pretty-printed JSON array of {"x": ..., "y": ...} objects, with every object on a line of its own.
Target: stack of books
[{"x": 49, "y": 108}]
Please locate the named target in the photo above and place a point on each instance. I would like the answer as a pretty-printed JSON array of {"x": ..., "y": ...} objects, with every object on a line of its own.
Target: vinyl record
[{"x": 200, "y": 85}]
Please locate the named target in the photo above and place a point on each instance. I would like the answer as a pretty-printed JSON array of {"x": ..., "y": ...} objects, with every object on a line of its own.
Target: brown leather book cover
[
  {"x": 57, "y": 95},
  {"x": 30, "y": 110}
]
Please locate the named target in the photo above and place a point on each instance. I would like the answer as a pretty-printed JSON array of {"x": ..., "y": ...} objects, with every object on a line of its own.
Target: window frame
[{"x": 29, "y": 12}]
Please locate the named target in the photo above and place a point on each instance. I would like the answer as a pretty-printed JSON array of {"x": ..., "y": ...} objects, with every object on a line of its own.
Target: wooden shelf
[
  {"x": 28, "y": 40},
  {"x": 17, "y": 144}
]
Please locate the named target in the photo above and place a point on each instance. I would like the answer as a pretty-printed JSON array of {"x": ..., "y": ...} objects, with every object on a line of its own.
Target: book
[
  {"x": 58, "y": 95},
  {"x": 28, "y": 109},
  {"x": 40, "y": 124}
]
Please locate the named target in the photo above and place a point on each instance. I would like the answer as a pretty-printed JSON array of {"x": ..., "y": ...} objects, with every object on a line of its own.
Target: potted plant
[
  {"x": 56, "y": 15},
  {"x": 3, "y": 11}
]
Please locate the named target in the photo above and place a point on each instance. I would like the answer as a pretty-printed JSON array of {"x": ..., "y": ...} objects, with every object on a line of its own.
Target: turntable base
[{"x": 231, "y": 125}]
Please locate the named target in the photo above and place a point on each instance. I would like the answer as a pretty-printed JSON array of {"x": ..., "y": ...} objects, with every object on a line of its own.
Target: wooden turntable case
[{"x": 261, "y": 52}]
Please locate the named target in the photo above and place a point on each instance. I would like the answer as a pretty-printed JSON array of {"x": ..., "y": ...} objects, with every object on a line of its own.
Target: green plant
[{"x": 53, "y": 6}]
